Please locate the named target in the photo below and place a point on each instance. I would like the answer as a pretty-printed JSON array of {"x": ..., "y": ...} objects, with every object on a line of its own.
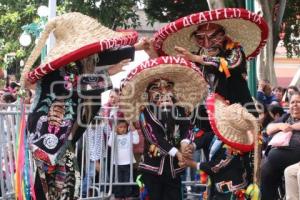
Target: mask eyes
[
  {"x": 156, "y": 96},
  {"x": 169, "y": 85},
  {"x": 154, "y": 87},
  {"x": 158, "y": 85}
]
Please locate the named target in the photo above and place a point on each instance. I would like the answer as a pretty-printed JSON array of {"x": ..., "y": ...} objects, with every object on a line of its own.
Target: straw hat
[
  {"x": 243, "y": 26},
  {"x": 189, "y": 85},
  {"x": 77, "y": 36},
  {"x": 233, "y": 124}
]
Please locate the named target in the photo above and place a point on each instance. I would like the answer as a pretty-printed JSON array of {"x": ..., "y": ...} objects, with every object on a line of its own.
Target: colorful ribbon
[
  {"x": 24, "y": 183},
  {"x": 253, "y": 192},
  {"x": 224, "y": 67}
]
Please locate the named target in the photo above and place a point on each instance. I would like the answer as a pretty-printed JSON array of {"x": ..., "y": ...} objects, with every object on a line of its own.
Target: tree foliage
[
  {"x": 291, "y": 28},
  {"x": 170, "y": 10},
  {"x": 16, "y": 13},
  {"x": 111, "y": 13}
]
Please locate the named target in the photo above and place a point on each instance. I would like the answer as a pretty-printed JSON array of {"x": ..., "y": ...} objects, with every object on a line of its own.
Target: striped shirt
[{"x": 96, "y": 140}]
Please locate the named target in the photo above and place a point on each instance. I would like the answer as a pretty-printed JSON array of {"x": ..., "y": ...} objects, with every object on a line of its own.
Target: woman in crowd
[
  {"x": 279, "y": 158},
  {"x": 289, "y": 91}
]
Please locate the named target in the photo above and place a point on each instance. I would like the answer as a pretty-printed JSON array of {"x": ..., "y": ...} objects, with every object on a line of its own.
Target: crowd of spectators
[
  {"x": 9, "y": 93},
  {"x": 279, "y": 114},
  {"x": 275, "y": 105}
]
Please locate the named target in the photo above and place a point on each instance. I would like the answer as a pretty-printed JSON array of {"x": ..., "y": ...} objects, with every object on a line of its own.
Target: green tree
[
  {"x": 17, "y": 13},
  {"x": 170, "y": 10},
  {"x": 13, "y": 15},
  {"x": 111, "y": 13},
  {"x": 291, "y": 28}
]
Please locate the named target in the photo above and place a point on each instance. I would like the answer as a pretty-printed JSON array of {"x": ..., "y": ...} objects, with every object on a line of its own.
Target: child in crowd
[{"x": 123, "y": 140}]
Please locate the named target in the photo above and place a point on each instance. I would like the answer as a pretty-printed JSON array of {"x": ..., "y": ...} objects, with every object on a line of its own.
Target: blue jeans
[
  {"x": 88, "y": 178},
  {"x": 123, "y": 191}
]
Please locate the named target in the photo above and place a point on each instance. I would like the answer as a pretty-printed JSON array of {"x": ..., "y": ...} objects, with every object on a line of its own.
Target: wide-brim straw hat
[
  {"x": 77, "y": 36},
  {"x": 242, "y": 26},
  {"x": 233, "y": 124},
  {"x": 190, "y": 86}
]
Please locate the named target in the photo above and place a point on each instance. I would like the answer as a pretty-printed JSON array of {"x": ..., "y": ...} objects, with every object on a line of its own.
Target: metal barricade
[
  {"x": 97, "y": 179},
  {"x": 9, "y": 114},
  {"x": 101, "y": 182}
]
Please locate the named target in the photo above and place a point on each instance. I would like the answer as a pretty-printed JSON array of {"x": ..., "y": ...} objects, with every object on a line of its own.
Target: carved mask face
[
  {"x": 210, "y": 38},
  {"x": 161, "y": 93}
]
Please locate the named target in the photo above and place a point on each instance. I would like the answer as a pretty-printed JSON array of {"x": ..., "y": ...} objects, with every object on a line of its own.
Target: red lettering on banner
[
  {"x": 36, "y": 77},
  {"x": 101, "y": 45},
  {"x": 132, "y": 73},
  {"x": 202, "y": 17},
  {"x": 249, "y": 14},
  {"x": 257, "y": 19},
  {"x": 225, "y": 13},
  {"x": 234, "y": 12},
  {"x": 173, "y": 27},
  {"x": 119, "y": 42},
  {"x": 105, "y": 43},
  {"x": 108, "y": 44},
  {"x": 217, "y": 13},
  {"x": 145, "y": 64},
  {"x": 254, "y": 17},
  {"x": 166, "y": 32},
  {"x": 183, "y": 62},
  {"x": 186, "y": 22},
  {"x": 176, "y": 59},
  {"x": 165, "y": 59},
  {"x": 123, "y": 42},
  {"x": 210, "y": 15},
  {"x": 238, "y": 11},
  {"x": 38, "y": 72},
  {"x": 48, "y": 67},
  {"x": 112, "y": 43},
  {"x": 42, "y": 70},
  {"x": 228, "y": 13},
  {"x": 153, "y": 62},
  {"x": 191, "y": 19},
  {"x": 162, "y": 34},
  {"x": 129, "y": 39},
  {"x": 129, "y": 76}
]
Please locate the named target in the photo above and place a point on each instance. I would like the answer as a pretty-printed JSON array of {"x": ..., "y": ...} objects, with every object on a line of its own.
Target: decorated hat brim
[
  {"x": 189, "y": 85},
  {"x": 242, "y": 26},
  {"x": 211, "y": 111},
  {"x": 128, "y": 38}
]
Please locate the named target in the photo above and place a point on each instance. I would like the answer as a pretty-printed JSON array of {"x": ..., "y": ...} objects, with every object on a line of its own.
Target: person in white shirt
[{"x": 123, "y": 140}]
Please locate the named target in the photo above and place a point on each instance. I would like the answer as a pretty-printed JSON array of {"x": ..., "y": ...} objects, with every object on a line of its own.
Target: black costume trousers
[
  {"x": 273, "y": 168},
  {"x": 162, "y": 187}
]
